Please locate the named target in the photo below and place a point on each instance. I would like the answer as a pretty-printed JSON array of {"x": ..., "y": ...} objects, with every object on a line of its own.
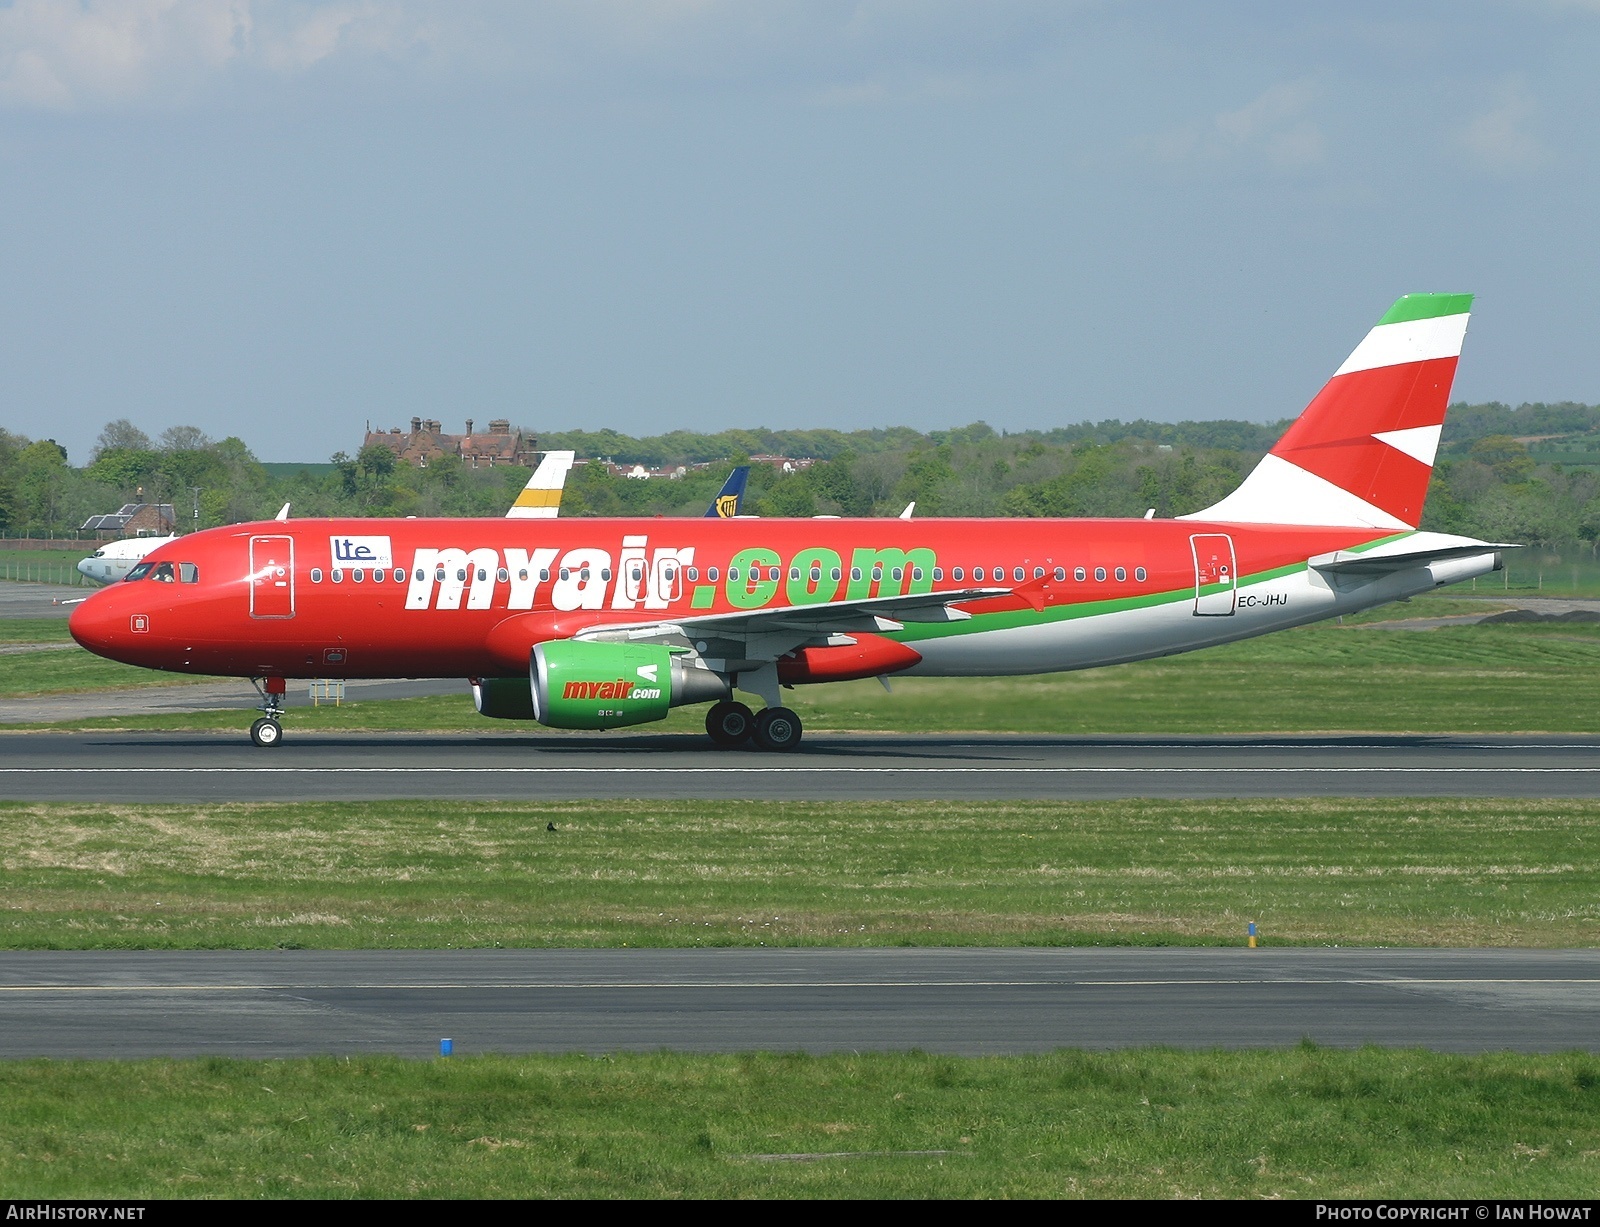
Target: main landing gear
[
  {"x": 268, "y": 731},
  {"x": 733, "y": 724}
]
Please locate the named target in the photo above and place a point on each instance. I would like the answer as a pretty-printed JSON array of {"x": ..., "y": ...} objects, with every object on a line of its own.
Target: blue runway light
[{"x": 446, "y": 1047}]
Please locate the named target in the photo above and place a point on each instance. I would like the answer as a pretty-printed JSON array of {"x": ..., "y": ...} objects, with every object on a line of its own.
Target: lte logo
[{"x": 139, "y": 624}]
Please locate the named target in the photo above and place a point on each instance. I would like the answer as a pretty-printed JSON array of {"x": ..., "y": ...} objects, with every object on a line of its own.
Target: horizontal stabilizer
[{"x": 1413, "y": 550}]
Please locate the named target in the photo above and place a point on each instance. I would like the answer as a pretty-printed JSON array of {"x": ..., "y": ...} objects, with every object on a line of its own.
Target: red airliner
[{"x": 602, "y": 623}]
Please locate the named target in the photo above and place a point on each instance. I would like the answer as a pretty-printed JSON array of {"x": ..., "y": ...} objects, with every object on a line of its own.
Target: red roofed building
[{"x": 500, "y": 444}]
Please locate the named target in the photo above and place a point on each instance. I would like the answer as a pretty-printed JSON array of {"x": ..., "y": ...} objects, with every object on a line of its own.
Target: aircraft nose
[
  {"x": 94, "y": 625},
  {"x": 86, "y": 568}
]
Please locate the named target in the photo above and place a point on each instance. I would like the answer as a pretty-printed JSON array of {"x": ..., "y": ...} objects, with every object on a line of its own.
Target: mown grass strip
[
  {"x": 1514, "y": 678},
  {"x": 1136, "y": 1123},
  {"x": 686, "y": 873}
]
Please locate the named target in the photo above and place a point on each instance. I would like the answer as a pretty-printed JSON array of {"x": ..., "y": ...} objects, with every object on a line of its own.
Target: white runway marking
[
  {"x": 798, "y": 769},
  {"x": 1274, "y": 981}
]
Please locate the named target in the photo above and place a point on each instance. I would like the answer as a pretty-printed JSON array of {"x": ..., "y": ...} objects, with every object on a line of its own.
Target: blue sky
[{"x": 281, "y": 220}]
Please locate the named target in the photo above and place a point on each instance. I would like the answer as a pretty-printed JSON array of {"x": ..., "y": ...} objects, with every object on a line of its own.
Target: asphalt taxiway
[
  {"x": 288, "y": 1003},
  {"x": 347, "y": 766}
]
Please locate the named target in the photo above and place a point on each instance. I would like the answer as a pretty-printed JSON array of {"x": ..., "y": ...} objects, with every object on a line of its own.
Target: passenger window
[
  {"x": 712, "y": 575},
  {"x": 400, "y": 576},
  {"x": 938, "y": 575},
  {"x": 1139, "y": 574},
  {"x": 1018, "y": 575},
  {"x": 544, "y": 575},
  {"x": 1079, "y": 574},
  {"x": 693, "y": 574},
  {"x": 897, "y": 573},
  {"x": 1038, "y": 573},
  {"x": 1122, "y": 575},
  {"x": 958, "y": 575},
  {"x": 338, "y": 576},
  {"x": 1100, "y": 575},
  {"x": 358, "y": 575},
  {"x": 835, "y": 574},
  {"x": 502, "y": 575},
  {"x": 420, "y": 574},
  {"x": 482, "y": 575},
  {"x": 855, "y": 573},
  {"x": 378, "y": 575},
  {"x": 733, "y": 572},
  {"x": 1061, "y": 575},
  {"x": 188, "y": 573},
  {"x": 316, "y": 575},
  {"x": 566, "y": 573},
  {"x": 916, "y": 573},
  {"x": 583, "y": 574},
  {"x": 773, "y": 573},
  {"x": 605, "y": 574}
]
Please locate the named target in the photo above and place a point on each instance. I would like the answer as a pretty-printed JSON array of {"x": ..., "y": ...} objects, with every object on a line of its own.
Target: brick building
[
  {"x": 133, "y": 520},
  {"x": 500, "y": 444}
]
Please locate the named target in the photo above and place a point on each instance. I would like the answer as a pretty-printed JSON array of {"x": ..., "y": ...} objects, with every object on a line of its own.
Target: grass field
[
  {"x": 33, "y": 630},
  {"x": 1144, "y": 1123},
  {"x": 433, "y": 874},
  {"x": 1517, "y": 678}
]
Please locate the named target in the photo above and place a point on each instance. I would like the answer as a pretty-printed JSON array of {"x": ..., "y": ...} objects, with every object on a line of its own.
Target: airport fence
[{"x": 44, "y": 572}]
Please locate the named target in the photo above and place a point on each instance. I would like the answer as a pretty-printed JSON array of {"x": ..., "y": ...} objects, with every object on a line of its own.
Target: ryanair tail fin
[
  {"x": 1362, "y": 452},
  {"x": 731, "y": 497}
]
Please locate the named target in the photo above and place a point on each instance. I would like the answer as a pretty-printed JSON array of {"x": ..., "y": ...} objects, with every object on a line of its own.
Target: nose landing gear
[{"x": 268, "y": 731}]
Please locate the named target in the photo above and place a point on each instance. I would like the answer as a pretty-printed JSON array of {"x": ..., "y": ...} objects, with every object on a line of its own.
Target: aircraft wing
[
  {"x": 1415, "y": 550},
  {"x": 761, "y": 636},
  {"x": 541, "y": 497}
]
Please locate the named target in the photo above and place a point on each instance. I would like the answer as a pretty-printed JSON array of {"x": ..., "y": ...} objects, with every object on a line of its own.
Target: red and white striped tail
[{"x": 1362, "y": 452}]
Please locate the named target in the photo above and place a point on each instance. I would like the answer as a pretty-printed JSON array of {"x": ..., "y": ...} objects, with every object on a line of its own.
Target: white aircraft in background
[
  {"x": 115, "y": 559},
  {"x": 540, "y": 500}
]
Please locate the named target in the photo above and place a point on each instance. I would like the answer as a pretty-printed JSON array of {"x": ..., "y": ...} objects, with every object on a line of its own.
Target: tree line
[{"x": 1512, "y": 474}]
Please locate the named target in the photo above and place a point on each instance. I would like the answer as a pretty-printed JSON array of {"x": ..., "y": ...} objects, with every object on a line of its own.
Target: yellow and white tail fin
[{"x": 541, "y": 497}]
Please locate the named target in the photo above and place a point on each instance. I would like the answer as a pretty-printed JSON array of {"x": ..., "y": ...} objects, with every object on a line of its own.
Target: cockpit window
[
  {"x": 188, "y": 573},
  {"x": 140, "y": 571},
  {"x": 163, "y": 572}
]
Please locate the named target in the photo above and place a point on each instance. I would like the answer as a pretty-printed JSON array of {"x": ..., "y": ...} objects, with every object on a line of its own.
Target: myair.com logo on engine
[
  {"x": 619, "y": 689},
  {"x": 622, "y": 688}
]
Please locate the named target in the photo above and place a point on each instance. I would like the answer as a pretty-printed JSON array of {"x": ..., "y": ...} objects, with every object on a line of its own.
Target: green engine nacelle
[{"x": 579, "y": 685}]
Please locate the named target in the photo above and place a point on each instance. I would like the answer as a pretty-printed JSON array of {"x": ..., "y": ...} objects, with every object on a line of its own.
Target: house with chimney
[{"x": 427, "y": 441}]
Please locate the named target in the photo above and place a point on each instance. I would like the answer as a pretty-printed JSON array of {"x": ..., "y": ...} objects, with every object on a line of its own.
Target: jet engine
[{"x": 582, "y": 685}]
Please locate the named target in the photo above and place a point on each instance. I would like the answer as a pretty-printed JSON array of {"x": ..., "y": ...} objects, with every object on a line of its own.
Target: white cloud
[
  {"x": 1272, "y": 127},
  {"x": 1498, "y": 140},
  {"x": 78, "y": 54}
]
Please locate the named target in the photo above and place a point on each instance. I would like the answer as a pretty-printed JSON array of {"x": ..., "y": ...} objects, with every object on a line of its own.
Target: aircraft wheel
[
  {"x": 266, "y": 733},
  {"x": 777, "y": 728},
  {"x": 730, "y": 724}
]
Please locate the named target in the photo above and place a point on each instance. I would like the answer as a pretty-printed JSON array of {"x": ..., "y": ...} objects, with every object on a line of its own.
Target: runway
[
  {"x": 969, "y": 1001},
  {"x": 225, "y": 766}
]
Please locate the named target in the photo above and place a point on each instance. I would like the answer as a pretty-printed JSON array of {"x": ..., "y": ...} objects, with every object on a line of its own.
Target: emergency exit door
[
  {"x": 272, "y": 577},
  {"x": 1215, "y": 575}
]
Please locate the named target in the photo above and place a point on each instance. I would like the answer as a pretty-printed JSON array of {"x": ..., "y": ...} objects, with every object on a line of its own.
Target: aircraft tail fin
[
  {"x": 541, "y": 497},
  {"x": 1362, "y": 452},
  {"x": 731, "y": 497}
]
